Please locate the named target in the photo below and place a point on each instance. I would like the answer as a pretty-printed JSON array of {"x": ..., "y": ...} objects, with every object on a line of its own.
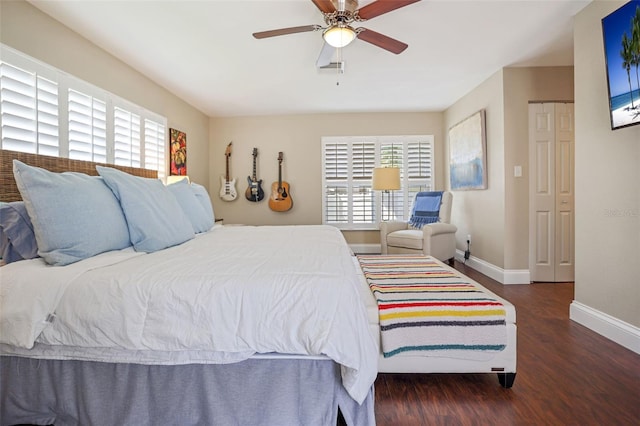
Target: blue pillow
[
  {"x": 17, "y": 240},
  {"x": 426, "y": 209},
  {"x": 192, "y": 208},
  {"x": 74, "y": 216},
  {"x": 155, "y": 219},
  {"x": 203, "y": 196}
]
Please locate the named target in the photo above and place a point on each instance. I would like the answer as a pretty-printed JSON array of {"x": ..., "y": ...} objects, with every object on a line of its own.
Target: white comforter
[{"x": 222, "y": 297}]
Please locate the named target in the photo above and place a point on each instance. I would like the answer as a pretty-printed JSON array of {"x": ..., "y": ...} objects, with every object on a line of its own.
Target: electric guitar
[
  {"x": 280, "y": 200},
  {"x": 254, "y": 192},
  {"x": 228, "y": 186}
]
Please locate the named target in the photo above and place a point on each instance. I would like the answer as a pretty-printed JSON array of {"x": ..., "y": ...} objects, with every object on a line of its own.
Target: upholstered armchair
[{"x": 436, "y": 239}]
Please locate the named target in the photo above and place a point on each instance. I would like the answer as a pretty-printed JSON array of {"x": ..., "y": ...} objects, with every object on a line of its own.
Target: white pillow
[
  {"x": 191, "y": 206},
  {"x": 74, "y": 215},
  {"x": 155, "y": 219}
]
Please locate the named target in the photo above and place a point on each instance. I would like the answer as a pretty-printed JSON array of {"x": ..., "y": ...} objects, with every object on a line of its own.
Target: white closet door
[{"x": 551, "y": 192}]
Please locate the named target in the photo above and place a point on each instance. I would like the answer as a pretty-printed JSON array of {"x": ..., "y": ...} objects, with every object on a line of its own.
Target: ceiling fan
[{"x": 338, "y": 32}]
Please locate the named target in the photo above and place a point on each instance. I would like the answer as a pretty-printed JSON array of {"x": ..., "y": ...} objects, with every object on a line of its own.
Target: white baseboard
[
  {"x": 610, "y": 327},
  {"x": 365, "y": 248},
  {"x": 503, "y": 276}
]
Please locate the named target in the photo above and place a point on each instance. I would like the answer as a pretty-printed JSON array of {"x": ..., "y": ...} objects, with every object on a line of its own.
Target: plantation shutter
[
  {"x": 336, "y": 174},
  {"x": 154, "y": 143},
  {"x": 48, "y": 137},
  {"x": 393, "y": 204},
  {"x": 28, "y": 111},
  {"x": 87, "y": 127},
  {"x": 43, "y": 110},
  {"x": 126, "y": 137},
  {"x": 419, "y": 170},
  {"x": 363, "y": 160},
  {"x": 349, "y": 201}
]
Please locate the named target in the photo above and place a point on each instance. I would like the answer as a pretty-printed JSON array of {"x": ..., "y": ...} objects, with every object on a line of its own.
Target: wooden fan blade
[
  {"x": 381, "y": 40},
  {"x": 325, "y": 6},
  {"x": 380, "y": 7},
  {"x": 285, "y": 31},
  {"x": 325, "y": 56}
]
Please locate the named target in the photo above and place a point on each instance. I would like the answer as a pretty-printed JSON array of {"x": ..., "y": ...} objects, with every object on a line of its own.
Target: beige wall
[
  {"x": 25, "y": 28},
  {"x": 521, "y": 86},
  {"x": 299, "y": 137},
  {"x": 481, "y": 213},
  {"x": 497, "y": 218},
  {"x": 607, "y": 183}
]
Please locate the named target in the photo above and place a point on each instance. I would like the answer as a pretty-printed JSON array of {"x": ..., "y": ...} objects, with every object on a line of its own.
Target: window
[
  {"x": 154, "y": 140},
  {"x": 126, "y": 138},
  {"x": 87, "y": 127},
  {"x": 45, "y": 111},
  {"x": 28, "y": 111},
  {"x": 349, "y": 202}
]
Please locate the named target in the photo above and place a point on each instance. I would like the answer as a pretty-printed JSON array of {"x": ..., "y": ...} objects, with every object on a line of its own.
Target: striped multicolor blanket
[{"x": 429, "y": 310}]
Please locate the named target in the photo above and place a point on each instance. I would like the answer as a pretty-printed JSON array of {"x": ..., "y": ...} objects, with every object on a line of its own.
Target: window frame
[
  {"x": 66, "y": 83},
  {"x": 349, "y": 183}
]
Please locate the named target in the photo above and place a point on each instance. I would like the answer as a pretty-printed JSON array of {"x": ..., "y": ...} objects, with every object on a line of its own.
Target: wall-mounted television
[{"x": 621, "y": 33}]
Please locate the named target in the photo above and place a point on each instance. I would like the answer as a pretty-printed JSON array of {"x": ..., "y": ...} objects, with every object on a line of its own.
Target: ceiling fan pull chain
[{"x": 338, "y": 61}]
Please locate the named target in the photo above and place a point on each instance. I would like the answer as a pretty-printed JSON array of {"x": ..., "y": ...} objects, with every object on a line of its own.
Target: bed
[
  {"x": 59, "y": 362},
  {"x": 235, "y": 325}
]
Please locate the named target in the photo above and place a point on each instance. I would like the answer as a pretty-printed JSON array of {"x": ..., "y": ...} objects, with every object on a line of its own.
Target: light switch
[{"x": 517, "y": 171}]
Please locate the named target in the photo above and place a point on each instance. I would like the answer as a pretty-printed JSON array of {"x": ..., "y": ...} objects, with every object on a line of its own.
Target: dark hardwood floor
[{"x": 566, "y": 374}]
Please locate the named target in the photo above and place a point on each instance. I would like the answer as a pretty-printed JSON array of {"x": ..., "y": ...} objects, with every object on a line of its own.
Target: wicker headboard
[{"x": 9, "y": 190}]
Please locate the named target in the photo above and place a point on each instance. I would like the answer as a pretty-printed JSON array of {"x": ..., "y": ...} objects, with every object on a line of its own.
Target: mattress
[{"x": 222, "y": 297}]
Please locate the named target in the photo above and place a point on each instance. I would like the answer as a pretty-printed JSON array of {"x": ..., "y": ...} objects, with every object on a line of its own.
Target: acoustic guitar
[
  {"x": 280, "y": 200},
  {"x": 227, "y": 185},
  {"x": 254, "y": 192}
]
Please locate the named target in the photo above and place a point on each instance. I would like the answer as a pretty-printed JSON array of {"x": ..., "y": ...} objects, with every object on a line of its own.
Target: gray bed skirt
[{"x": 252, "y": 392}]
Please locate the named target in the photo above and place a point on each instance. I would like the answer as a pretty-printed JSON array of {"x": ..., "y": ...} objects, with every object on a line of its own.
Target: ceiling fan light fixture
[{"x": 339, "y": 35}]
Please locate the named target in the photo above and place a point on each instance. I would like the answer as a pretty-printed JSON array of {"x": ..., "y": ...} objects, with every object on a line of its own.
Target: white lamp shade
[
  {"x": 386, "y": 178},
  {"x": 339, "y": 35},
  {"x": 176, "y": 178}
]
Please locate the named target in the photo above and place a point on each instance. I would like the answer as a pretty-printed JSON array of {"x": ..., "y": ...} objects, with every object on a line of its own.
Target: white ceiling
[{"x": 203, "y": 51}]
